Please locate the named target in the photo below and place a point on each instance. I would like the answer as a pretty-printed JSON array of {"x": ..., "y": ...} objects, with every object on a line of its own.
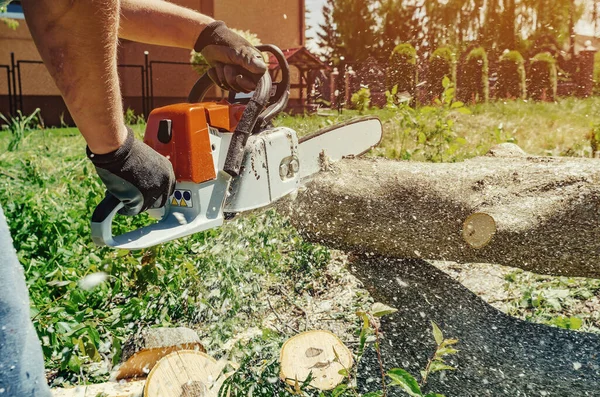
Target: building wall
[{"x": 278, "y": 22}]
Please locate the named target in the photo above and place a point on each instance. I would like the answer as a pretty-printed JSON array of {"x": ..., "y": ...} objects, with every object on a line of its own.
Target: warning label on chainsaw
[{"x": 182, "y": 198}]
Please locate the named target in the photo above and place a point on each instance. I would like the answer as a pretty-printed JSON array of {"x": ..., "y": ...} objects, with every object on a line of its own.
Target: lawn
[{"x": 219, "y": 282}]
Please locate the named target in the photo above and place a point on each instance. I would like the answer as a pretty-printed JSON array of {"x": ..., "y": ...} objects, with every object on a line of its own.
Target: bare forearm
[
  {"x": 77, "y": 41},
  {"x": 160, "y": 22}
]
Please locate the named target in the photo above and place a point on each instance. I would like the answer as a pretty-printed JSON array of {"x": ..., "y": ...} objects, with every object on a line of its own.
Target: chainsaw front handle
[
  {"x": 257, "y": 115},
  {"x": 176, "y": 222}
]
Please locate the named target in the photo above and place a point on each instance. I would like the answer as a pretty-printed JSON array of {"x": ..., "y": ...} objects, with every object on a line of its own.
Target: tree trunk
[{"x": 540, "y": 214}]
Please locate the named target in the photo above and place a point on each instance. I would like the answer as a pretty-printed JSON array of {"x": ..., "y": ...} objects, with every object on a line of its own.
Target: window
[{"x": 14, "y": 10}]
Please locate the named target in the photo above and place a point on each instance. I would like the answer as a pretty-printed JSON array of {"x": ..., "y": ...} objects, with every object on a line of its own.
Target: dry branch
[{"x": 537, "y": 213}]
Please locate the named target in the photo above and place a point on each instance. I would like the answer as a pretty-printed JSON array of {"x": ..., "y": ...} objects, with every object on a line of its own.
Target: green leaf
[
  {"x": 379, "y": 309},
  {"x": 457, "y": 104},
  {"x": 445, "y": 82},
  {"x": 437, "y": 333},
  {"x": 405, "y": 380},
  {"x": 445, "y": 351},
  {"x": 339, "y": 390},
  {"x": 440, "y": 366},
  {"x": 434, "y": 395},
  {"x": 74, "y": 363}
]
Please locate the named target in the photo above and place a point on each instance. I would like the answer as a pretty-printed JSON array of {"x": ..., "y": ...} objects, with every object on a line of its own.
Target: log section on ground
[
  {"x": 142, "y": 351},
  {"x": 319, "y": 354},
  {"x": 540, "y": 214},
  {"x": 185, "y": 373}
]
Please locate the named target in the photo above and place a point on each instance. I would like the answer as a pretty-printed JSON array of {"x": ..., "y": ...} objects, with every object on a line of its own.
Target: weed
[
  {"x": 258, "y": 372},
  {"x": 361, "y": 100},
  {"x": 437, "y": 137},
  {"x": 134, "y": 119},
  {"x": 19, "y": 125}
]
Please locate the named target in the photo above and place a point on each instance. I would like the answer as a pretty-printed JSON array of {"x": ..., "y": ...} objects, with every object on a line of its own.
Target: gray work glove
[
  {"x": 135, "y": 174},
  {"x": 235, "y": 63}
]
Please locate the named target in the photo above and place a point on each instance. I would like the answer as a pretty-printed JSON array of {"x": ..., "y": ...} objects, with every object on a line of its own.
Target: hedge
[
  {"x": 474, "y": 83},
  {"x": 441, "y": 64},
  {"x": 402, "y": 69},
  {"x": 511, "y": 76},
  {"x": 542, "y": 80}
]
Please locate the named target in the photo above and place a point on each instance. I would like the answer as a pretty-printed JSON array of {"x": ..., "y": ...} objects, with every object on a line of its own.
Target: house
[{"x": 169, "y": 74}]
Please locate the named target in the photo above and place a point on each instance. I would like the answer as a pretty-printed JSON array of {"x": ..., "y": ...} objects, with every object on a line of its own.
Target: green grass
[
  {"x": 216, "y": 282},
  {"x": 540, "y": 128}
]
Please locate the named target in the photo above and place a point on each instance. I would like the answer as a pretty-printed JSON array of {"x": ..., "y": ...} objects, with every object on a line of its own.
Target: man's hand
[
  {"x": 235, "y": 64},
  {"x": 135, "y": 174}
]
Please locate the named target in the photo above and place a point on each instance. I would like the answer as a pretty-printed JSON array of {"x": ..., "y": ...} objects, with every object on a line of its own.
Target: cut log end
[
  {"x": 185, "y": 373},
  {"x": 478, "y": 230},
  {"x": 318, "y": 353}
]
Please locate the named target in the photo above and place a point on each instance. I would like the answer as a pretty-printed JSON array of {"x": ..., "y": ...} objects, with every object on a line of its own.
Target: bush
[
  {"x": 542, "y": 81},
  {"x": 511, "y": 76},
  {"x": 441, "y": 64},
  {"x": 474, "y": 83},
  {"x": 361, "y": 100},
  {"x": 402, "y": 69},
  {"x": 597, "y": 73}
]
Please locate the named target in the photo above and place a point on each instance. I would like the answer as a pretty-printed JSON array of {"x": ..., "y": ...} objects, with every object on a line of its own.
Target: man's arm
[
  {"x": 161, "y": 23},
  {"x": 236, "y": 64},
  {"x": 78, "y": 43}
]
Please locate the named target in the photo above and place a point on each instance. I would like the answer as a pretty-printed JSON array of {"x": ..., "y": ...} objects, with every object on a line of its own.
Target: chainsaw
[{"x": 228, "y": 159}]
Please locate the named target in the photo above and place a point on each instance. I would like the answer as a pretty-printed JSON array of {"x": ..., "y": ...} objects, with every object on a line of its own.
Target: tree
[
  {"x": 328, "y": 38},
  {"x": 355, "y": 25},
  {"x": 399, "y": 24}
]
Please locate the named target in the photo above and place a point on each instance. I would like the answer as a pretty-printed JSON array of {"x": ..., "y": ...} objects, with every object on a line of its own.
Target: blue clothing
[{"x": 21, "y": 358}]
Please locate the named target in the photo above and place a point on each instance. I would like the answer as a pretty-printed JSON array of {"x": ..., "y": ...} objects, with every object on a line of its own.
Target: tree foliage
[
  {"x": 9, "y": 22},
  {"x": 357, "y": 29}
]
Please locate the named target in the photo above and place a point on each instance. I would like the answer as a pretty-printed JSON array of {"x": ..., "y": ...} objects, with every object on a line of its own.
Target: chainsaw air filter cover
[{"x": 181, "y": 133}]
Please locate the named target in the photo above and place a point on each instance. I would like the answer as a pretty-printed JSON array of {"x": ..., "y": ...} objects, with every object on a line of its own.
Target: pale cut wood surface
[
  {"x": 185, "y": 373},
  {"x": 314, "y": 352}
]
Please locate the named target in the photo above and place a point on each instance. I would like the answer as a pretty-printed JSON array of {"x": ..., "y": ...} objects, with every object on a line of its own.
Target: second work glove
[
  {"x": 136, "y": 175},
  {"x": 235, "y": 63}
]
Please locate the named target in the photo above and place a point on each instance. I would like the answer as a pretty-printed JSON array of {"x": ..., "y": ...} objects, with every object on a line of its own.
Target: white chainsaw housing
[
  {"x": 270, "y": 171},
  {"x": 275, "y": 163}
]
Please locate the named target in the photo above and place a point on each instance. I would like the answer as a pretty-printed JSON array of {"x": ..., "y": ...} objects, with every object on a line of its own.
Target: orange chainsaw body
[{"x": 181, "y": 133}]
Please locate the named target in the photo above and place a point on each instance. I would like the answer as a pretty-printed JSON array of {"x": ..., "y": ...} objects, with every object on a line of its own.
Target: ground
[{"x": 248, "y": 286}]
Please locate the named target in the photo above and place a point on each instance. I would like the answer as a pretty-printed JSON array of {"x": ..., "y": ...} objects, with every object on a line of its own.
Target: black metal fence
[{"x": 20, "y": 90}]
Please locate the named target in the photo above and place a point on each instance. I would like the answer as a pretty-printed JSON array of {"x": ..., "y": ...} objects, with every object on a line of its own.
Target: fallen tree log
[{"x": 540, "y": 214}]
